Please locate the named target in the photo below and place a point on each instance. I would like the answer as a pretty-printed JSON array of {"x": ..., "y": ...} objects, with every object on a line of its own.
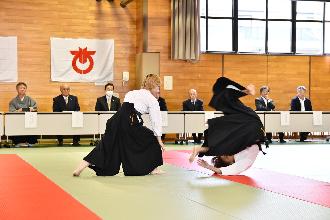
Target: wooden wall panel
[
  {"x": 34, "y": 22},
  {"x": 186, "y": 75},
  {"x": 282, "y": 73},
  {"x": 320, "y": 82},
  {"x": 285, "y": 74},
  {"x": 247, "y": 69},
  {"x": 139, "y": 26}
]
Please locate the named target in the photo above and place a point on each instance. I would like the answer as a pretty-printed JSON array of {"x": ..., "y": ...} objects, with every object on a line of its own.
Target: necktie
[
  {"x": 66, "y": 103},
  {"x": 109, "y": 103}
]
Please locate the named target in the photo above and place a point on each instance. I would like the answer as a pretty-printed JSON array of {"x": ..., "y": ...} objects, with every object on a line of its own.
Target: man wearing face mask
[
  {"x": 108, "y": 102},
  {"x": 66, "y": 102}
]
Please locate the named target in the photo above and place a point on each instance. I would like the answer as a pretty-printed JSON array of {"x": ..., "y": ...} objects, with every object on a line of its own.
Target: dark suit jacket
[
  {"x": 162, "y": 104},
  {"x": 102, "y": 105},
  {"x": 296, "y": 106},
  {"x": 59, "y": 104},
  {"x": 261, "y": 105},
  {"x": 188, "y": 105}
]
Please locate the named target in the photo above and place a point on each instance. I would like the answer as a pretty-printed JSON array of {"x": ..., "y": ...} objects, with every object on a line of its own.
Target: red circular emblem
[{"x": 82, "y": 55}]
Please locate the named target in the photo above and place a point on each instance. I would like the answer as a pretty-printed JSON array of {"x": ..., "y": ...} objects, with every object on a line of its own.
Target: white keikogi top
[
  {"x": 243, "y": 161},
  {"x": 144, "y": 102}
]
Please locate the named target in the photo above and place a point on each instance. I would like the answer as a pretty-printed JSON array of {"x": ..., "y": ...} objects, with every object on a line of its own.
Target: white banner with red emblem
[
  {"x": 8, "y": 59},
  {"x": 82, "y": 60}
]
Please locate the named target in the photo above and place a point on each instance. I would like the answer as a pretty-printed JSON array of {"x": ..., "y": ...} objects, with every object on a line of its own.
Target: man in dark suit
[
  {"x": 301, "y": 103},
  {"x": 163, "y": 107},
  {"x": 162, "y": 104},
  {"x": 66, "y": 102},
  {"x": 264, "y": 103},
  {"x": 193, "y": 104},
  {"x": 108, "y": 102}
]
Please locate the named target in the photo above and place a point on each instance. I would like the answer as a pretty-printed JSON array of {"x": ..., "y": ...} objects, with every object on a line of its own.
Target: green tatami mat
[{"x": 177, "y": 194}]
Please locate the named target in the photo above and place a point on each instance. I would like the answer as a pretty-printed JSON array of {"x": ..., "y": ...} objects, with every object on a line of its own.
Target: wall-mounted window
[
  {"x": 216, "y": 25},
  {"x": 279, "y": 26},
  {"x": 327, "y": 29},
  {"x": 265, "y": 26},
  {"x": 309, "y": 27}
]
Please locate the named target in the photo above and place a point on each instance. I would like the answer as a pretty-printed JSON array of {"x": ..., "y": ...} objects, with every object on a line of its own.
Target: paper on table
[
  {"x": 208, "y": 115},
  {"x": 317, "y": 118},
  {"x": 31, "y": 119},
  {"x": 164, "y": 118},
  {"x": 77, "y": 119},
  {"x": 285, "y": 118}
]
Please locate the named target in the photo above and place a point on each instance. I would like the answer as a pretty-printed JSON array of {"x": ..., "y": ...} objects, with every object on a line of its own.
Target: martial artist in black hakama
[
  {"x": 126, "y": 141},
  {"x": 239, "y": 128}
]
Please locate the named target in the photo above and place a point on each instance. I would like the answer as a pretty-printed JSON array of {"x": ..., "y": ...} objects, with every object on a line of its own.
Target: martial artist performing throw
[{"x": 235, "y": 138}]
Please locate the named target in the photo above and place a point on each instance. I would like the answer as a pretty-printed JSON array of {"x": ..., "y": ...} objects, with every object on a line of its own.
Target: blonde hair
[{"x": 151, "y": 81}]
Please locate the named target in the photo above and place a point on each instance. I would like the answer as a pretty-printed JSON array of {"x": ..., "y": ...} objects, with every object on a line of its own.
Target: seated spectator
[
  {"x": 264, "y": 103},
  {"x": 108, "y": 102},
  {"x": 66, "y": 102},
  {"x": 301, "y": 103},
  {"x": 162, "y": 104},
  {"x": 163, "y": 107},
  {"x": 194, "y": 104},
  {"x": 23, "y": 103}
]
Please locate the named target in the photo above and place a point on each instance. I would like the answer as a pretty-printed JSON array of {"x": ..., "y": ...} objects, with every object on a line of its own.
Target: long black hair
[{"x": 219, "y": 162}]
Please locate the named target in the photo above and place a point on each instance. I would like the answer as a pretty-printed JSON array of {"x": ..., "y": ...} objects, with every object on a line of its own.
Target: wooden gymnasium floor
[{"x": 291, "y": 182}]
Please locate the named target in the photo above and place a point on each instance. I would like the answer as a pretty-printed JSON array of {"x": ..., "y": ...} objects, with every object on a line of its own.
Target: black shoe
[
  {"x": 270, "y": 141},
  {"x": 282, "y": 141},
  {"x": 75, "y": 144},
  {"x": 60, "y": 143}
]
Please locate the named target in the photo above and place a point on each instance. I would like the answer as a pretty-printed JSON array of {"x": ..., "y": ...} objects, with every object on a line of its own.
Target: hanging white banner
[
  {"x": 82, "y": 60},
  {"x": 8, "y": 59}
]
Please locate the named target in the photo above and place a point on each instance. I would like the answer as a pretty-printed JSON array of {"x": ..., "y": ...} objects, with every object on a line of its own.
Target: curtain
[{"x": 185, "y": 42}]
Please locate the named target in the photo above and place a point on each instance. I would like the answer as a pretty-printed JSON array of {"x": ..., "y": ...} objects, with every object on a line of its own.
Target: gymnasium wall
[
  {"x": 282, "y": 73},
  {"x": 34, "y": 22}
]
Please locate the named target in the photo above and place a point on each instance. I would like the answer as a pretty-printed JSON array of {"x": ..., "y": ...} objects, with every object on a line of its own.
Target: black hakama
[
  {"x": 126, "y": 141},
  {"x": 239, "y": 128}
]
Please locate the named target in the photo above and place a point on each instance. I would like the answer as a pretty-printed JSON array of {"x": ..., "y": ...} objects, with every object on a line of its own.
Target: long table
[
  {"x": 299, "y": 122},
  {"x": 2, "y": 128},
  {"x": 175, "y": 121},
  {"x": 195, "y": 122},
  {"x": 59, "y": 123},
  {"x": 50, "y": 123}
]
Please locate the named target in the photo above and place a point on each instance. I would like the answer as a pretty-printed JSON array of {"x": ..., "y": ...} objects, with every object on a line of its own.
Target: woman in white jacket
[{"x": 126, "y": 141}]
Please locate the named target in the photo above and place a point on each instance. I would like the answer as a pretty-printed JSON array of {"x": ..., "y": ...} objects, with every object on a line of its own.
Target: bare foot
[
  {"x": 193, "y": 155},
  {"x": 157, "y": 171},
  {"x": 80, "y": 168},
  {"x": 76, "y": 173}
]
